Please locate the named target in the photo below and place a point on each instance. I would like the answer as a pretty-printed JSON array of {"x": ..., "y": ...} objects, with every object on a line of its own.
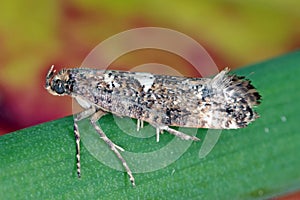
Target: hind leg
[{"x": 179, "y": 134}]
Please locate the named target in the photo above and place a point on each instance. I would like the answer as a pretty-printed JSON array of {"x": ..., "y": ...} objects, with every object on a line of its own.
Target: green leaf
[{"x": 259, "y": 161}]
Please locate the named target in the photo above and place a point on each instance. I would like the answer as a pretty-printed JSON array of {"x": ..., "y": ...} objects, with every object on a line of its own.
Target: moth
[{"x": 225, "y": 101}]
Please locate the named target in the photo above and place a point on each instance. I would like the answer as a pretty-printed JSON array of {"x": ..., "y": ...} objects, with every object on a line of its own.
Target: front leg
[
  {"x": 82, "y": 115},
  {"x": 111, "y": 145}
]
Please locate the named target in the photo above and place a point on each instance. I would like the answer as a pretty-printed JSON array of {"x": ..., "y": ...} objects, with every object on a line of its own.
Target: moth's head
[{"x": 59, "y": 83}]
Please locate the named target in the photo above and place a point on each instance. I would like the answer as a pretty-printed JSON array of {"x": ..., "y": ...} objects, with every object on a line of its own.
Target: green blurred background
[{"x": 36, "y": 34}]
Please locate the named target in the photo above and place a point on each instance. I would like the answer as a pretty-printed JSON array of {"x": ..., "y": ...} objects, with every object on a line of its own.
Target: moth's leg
[
  {"x": 158, "y": 132},
  {"x": 179, "y": 134},
  {"x": 139, "y": 124},
  {"x": 82, "y": 115},
  {"x": 111, "y": 145}
]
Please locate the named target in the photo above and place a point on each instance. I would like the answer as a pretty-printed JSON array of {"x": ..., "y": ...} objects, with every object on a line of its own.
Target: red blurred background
[{"x": 36, "y": 34}]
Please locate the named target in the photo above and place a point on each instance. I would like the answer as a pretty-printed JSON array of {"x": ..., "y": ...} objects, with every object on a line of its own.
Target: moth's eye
[{"x": 58, "y": 87}]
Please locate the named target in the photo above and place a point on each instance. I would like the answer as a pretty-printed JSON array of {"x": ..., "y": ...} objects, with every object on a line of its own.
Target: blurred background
[{"x": 36, "y": 34}]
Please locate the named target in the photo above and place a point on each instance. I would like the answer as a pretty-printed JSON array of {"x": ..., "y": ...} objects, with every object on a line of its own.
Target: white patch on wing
[
  {"x": 145, "y": 80},
  {"x": 108, "y": 79},
  {"x": 199, "y": 93},
  {"x": 116, "y": 84}
]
